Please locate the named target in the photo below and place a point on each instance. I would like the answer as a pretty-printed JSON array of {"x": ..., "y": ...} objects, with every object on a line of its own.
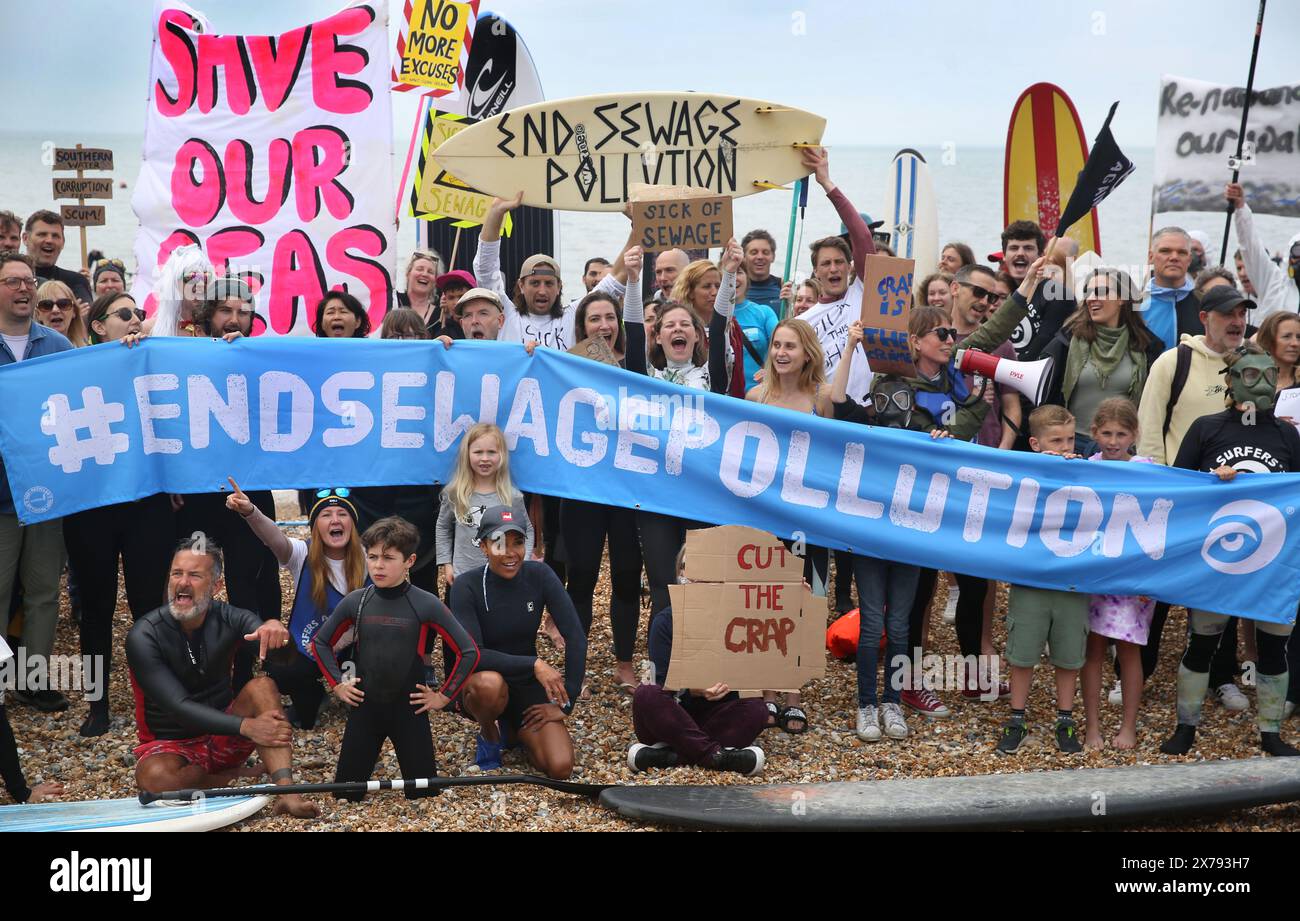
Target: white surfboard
[
  {"x": 583, "y": 154},
  {"x": 914, "y": 213},
  {"x": 129, "y": 815}
]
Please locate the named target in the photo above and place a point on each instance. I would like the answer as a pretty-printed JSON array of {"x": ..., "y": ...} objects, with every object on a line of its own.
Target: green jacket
[{"x": 968, "y": 419}]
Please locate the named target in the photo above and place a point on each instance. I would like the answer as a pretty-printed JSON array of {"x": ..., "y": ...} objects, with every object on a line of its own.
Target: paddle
[
  {"x": 1241, "y": 135},
  {"x": 372, "y": 786}
]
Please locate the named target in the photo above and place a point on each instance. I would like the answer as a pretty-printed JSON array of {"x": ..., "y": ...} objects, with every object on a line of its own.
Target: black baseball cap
[
  {"x": 496, "y": 522},
  {"x": 1224, "y": 299}
]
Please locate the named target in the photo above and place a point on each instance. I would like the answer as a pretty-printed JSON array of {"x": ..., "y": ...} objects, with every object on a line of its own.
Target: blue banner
[{"x": 108, "y": 424}]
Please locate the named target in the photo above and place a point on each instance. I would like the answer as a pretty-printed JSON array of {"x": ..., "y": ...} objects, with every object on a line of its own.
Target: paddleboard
[
  {"x": 129, "y": 815},
  {"x": 1046, "y": 149},
  {"x": 500, "y": 76},
  {"x": 914, "y": 224},
  {"x": 1093, "y": 797},
  {"x": 583, "y": 154}
]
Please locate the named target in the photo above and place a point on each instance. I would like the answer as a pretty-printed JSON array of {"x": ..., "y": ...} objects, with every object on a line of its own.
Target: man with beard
[
  {"x": 1244, "y": 438},
  {"x": 195, "y": 731},
  {"x": 668, "y": 265},
  {"x": 1200, "y": 241},
  {"x": 254, "y": 582},
  {"x": 43, "y": 240}
]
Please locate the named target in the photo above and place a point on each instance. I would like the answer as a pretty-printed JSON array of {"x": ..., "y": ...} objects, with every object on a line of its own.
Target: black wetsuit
[
  {"x": 503, "y": 616},
  {"x": 392, "y": 631},
  {"x": 182, "y": 683}
]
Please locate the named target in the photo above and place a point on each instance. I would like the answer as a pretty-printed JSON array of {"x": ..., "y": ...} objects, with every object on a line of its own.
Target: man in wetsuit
[
  {"x": 195, "y": 732},
  {"x": 1244, "y": 438},
  {"x": 386, "y": 692},
  {"x": 501, "y": 606}
]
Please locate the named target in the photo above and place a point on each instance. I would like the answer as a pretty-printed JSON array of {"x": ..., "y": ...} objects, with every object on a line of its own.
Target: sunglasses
[
  {"x": 62, "y": 303},
  {"x": 342, "y": 492},
  {"x": 125, "y": 314},
  {"x": 981, "y": 294},
  {"x": 1250, "y": 376},
  {"x": 945, "y": 333},
  {"x": 902, "y": 400}
]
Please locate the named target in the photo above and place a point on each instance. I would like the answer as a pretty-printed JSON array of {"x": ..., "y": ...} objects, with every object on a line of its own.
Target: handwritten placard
[
  {"x": 886, "y": 310},
  {"x": 82, "y": 215},
  {"x": 83, "y": 158},
  {"x": 695, "y": 222},
  {"x": 83, "y": 188},
  {"x": 433, "y": 45}
]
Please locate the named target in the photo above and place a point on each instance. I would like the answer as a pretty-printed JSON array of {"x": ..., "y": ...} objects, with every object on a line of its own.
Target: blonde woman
[
  {"x": 697, "y": 287},
  {"x": 56, "y": 307}
]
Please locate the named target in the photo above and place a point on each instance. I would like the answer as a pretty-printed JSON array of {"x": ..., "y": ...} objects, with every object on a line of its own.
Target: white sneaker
[
  {"x": 1230, "y": 696},
  {"x": 868, "y": 724},
  {"x": 1116, "y": 696},
  {"x": 895, "y": 725},
  {"x": 950, "y": 609}
]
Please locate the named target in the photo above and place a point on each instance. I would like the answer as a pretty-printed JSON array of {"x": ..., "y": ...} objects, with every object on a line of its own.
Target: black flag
[{"x": 1106, "y": 168}]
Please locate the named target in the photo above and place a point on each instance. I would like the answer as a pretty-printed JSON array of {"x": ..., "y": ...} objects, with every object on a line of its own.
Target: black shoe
[
  {"x": 97, "y": 723},
  {"x": 1272, "y": 744},
  {"x": 47, "y": 701},
  {"x": 641, "y": 757},
  {"x": 1067, "y": 736},
  {"x": 1012, "y": 735},
  {"x": 747, "y": 761},
  {"x": 1180, "y": 743}
]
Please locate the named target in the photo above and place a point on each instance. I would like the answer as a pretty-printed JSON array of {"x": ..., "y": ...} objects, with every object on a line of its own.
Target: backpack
[{"x": 1181, "y": 370}]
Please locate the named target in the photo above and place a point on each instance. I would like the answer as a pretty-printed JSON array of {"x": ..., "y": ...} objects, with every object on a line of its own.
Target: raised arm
[
  {"x": 634, "y": 313},
  {"x": 998, "y": 328},
  {"x": 722, "y": 308},
  {"x": 1268, "y": 280},
  {"x": 267, "y": 531},
  {"x": 818, "y": 163},
  {"x": 487, "y": 259}
]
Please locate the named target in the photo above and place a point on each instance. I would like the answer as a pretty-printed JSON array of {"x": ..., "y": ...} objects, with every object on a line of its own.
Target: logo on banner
[
  {"x": 1247, "y": 544},
  {"x": 38, "y": 500}
]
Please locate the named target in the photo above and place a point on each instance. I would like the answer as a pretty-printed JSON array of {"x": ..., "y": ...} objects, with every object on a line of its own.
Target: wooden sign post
[{"x": 81, "y": 215}]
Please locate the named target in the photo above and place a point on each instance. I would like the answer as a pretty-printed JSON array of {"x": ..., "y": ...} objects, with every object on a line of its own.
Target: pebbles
[{"x": 103, "y": 768}]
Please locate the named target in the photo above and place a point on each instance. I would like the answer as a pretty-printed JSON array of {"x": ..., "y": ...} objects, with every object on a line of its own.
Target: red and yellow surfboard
[{"x": 1046, "y": 149}]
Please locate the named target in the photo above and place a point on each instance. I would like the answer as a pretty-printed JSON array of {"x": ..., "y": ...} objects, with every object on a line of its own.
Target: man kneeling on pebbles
[{"x": 195, "y": 731}]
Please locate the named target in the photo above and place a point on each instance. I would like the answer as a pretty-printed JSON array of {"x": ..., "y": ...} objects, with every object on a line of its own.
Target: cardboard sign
[
  {"x": 886, "y": 310},
  {"x": 597, "y": 349},
  {"x": 757, "y": 628},
  {"x": 433, "y": 49},
  {"x": 74, "y": 158},
  {"x": 439, "y": 194},
  {"x": 82, "y": 215},
  {"x": 83, "y": 188},
  {"x": 688, "y": 222}
]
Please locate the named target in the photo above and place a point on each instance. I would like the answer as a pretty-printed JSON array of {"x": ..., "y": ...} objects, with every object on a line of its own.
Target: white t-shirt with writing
[{"x": 831, "y": 324}]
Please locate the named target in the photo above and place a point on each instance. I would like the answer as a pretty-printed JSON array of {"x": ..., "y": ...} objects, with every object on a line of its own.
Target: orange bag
[{"x": 842, "y": 636}]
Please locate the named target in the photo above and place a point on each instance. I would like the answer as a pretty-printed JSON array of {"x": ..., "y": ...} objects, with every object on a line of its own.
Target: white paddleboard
[
  {"x": 129, "y": 815},
  {"x": 582, "y": 154},
  {"x": 914, "y": 213}
]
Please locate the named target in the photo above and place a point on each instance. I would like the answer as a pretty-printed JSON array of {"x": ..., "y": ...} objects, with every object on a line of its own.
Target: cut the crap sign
[
  {"x": 265, "y": 151},
  {"x": 585, "y": 154},
  {"x": 744, "y": 619}
]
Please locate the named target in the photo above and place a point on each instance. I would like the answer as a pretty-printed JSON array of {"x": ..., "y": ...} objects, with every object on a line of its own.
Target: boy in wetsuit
[{"x": 386, "y": 687}]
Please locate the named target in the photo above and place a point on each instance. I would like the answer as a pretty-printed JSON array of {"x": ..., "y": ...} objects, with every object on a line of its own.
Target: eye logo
[{"x": 1248, "y": 544}]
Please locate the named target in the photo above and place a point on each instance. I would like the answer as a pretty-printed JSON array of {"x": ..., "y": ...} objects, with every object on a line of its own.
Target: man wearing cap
[
  {"x": 537, "y": 312},
  {"x": 1166, "y": 412},
  {"x": 451, "y": 288},
  {"x": 229, "y": 312}
]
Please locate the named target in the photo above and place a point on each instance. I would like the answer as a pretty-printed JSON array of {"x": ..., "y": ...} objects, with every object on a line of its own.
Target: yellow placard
[
  {"x": 437, "y": 194},
  {"x": 434, "y": 38}
]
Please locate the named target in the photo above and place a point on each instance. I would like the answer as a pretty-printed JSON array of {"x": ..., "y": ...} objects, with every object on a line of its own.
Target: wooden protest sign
[
  {"x": 432, "y": 54},
  {"x": 83, "y": 158},
  {"x": 82, "y": 215},
  {"x": 689, "y": 221},
  {"x": 82, "y": 189},
  {"x": 886, "y": 310},
  {"x": 755, "y": 627}
]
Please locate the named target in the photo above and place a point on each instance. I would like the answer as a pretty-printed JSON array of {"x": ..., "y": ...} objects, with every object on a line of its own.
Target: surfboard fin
[
  {"x": 762, "y": 184},
  {"x": 768, "y": 110}
]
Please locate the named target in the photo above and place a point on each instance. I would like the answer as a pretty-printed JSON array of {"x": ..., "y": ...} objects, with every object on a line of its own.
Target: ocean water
[{"x": 967, "y": 181}]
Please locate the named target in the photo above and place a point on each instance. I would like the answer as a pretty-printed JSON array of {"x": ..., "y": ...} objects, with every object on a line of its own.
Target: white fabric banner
[
  {"x": 1196, "y": 132},
  {"x": 274, "y": 154}
]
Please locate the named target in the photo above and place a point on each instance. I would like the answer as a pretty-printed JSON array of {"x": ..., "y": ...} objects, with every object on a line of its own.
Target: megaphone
[{"x": 1029, "y": 377}]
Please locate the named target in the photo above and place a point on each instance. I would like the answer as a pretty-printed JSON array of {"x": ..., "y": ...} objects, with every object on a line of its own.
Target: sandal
[
  {"x": 787, "y": 715},
  {"x": 774, "y": 714}
]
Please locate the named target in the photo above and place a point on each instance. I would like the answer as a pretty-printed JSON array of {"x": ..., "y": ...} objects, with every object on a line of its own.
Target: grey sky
[{"x": 918, "y": 73}]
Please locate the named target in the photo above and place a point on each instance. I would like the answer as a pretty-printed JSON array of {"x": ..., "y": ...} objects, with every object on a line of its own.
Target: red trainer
[
  {"x": 978, "y": 692},
  {"x": 926, "y": 703}
]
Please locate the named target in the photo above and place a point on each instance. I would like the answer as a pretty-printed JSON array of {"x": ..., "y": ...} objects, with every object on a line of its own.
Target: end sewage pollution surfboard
[
  {"x": 914, "y": 224},
  {"x": 1046, "y": 149},
  {"x": 583, "y": 154},
  {"x": 130, "y": 815}
]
